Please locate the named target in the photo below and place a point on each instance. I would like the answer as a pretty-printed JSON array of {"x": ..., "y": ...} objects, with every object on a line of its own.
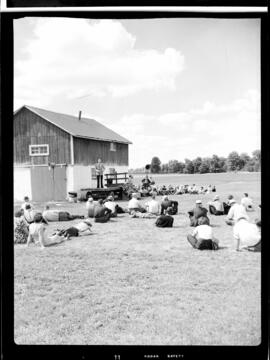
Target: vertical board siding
[
  {"x": 29, "y": 128},
  {"x": 87, "y": 152}
]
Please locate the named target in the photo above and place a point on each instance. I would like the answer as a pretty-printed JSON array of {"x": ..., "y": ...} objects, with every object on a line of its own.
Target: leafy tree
[
  {"x": 164, "y": 168},
  {"x": 189, "y": 167},
  {"x": 204, "y": 167},
  {"x": 197, "y": 163},
  {"x": 155, "y": 165},
  {"x": 214, "y": 164},
  {"x": 234, "y": 161}
]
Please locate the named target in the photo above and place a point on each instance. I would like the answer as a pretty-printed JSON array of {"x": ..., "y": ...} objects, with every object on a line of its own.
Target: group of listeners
[{"x": 29, "y": 225}]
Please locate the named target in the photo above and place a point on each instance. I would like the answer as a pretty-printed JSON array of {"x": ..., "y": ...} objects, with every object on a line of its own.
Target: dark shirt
[
  {"x": 197, "y": 212},
  {"x": 164, "y": 221},
  {"x": 164, "y": 205},
  {"x": 100, "y": 211}
]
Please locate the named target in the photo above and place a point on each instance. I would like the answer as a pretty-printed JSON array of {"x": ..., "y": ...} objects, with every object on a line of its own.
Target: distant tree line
[{"x": 214, "y": 164}]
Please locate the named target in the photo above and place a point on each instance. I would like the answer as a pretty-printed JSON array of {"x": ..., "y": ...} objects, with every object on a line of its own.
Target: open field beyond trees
[{"x": 131, "y": 283}]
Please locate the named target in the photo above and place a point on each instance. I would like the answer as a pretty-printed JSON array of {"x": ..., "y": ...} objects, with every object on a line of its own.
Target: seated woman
[
  {"x": 80, "y": 229},
  {"x": 29, "y": 214},
  {"x": 165, "y": 220},
  {"x": 20, "y": 228},
  {"x": 37, "y": 233},
  {"x": 202, "y": 236}
]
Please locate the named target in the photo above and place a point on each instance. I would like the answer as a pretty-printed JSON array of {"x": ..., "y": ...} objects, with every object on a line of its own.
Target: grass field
[{"x": 131, "y": 283}]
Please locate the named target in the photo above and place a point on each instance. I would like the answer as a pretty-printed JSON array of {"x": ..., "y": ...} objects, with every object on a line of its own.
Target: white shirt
[
  {"x": 153, "y": 206},
  {"x": 248, "y": 233},
  {"x": 82, "y": 226},
  {"x": 134, "y": 204},
  {"x": 203, "y": 232},
  {"x": 37, "y": 231},
  {"x": 110, "y": 205},
  {"x": 218, "y": 205},
  {"x": 236, "y": 212},
  {"x": 247, "y": 203}
]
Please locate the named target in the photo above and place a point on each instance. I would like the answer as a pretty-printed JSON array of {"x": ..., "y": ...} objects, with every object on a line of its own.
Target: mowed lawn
[{"x": 131, "y": 283}]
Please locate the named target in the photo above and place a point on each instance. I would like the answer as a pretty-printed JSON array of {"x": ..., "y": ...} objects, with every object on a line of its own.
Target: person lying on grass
[
  {"x": 165, "y": 220},
  {"x": 196, "y": 213},
  {"x": 58, "y": 215},
  {"x": 20, "y": 228},
  {"x": 236, "y": 212},
  {"x": 80, "y": 229},
  {"x": 202, "y": 236},
  {"x": 38, "y": 234},
  {"x": 140, "y": 215},
  {"x": 247, "y": 236}
]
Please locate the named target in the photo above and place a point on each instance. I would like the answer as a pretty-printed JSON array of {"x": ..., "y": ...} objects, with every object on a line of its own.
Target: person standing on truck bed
[{"x": 100, "y": 168}]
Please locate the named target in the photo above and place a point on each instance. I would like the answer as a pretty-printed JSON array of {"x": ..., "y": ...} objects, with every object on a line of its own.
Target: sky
[{"x": 175, "y": 87}]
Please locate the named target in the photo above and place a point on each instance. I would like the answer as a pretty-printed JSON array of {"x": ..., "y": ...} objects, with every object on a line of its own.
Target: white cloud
[
  {"x": 211, "y": 129},
  {"x": 77, "y": 57}
]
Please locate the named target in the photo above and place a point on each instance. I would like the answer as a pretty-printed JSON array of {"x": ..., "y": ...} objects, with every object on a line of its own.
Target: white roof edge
[{"x": 109, "y": 140}]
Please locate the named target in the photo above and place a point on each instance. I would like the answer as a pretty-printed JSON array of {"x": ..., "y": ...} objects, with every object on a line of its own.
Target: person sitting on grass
[
  {"x": 216, "y": 207},
  {"x": 165, "y": 220},
  {"x": 153, "y": 206},
  {"x": 166, "y": 203},
  {"x": 90, "y": 207},
  {"x": 202, "y": 236},
  {"x": 196, "y": 213},
  {"x": 58, "y": 215},
  {"x": 29, "y": 214},
  {"x": 21, "y": 231},
  {"x": 111, "y": 204},
  {"x": 227, "y": 205},
  {"x": 38, "y": 234},
  {"x": 80, "y": 229},
  {"x": 26, "y": 202},
  {"x": 247, "y": 236},
  {"x": 140, "y": 215},
  {"x": 236, "y": 212},
  {"x": 134, "y": 204},
  {"x": 247, "y": 202},
  {"x": 101, "y": 213}
]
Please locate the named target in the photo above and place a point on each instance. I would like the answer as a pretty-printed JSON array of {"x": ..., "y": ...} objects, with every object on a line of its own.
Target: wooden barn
[{"x": 55, "y": 153}]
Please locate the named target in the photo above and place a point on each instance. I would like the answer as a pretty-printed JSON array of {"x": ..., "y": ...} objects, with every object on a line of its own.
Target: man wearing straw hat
[
  {"x": 216, "y": 206},
  {"x": 196, "y": 213}
]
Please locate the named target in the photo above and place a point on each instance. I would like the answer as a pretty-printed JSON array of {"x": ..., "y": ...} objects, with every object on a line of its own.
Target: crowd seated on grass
[
  {"x": 202, "y": 236},
  {"x": 197, "y": 212},
  {"x": 216, "y": 207},
  {"x": 236, "y": 212},
  {"x": 247, "y": 235},
  {"x": 38, "y": 233},
  {"x": 165, "y": 220},
  {"x": 247, "y": 202},
  {"x": 21, "y": 227},
  {"x": 58, "y": 215},
  {"x": 81, "y": 229},
  {"x": 101, "y": 213}
]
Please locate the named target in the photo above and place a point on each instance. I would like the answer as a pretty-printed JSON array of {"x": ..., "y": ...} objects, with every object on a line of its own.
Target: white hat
[
  {"x": 198, "y": 201},
  {"x": 232, "y": 201},
  {"x": 216, "y": 197},
  {"x": 90, "y": 199}
]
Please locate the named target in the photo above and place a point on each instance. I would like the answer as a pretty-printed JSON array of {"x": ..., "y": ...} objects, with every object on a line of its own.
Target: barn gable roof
[{"x": 84, "y": 128}]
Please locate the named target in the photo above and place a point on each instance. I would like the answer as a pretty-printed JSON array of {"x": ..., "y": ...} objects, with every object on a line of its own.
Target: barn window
[
  {"x": 39, "y": 150},
  {"x": 113, "y": 147}
]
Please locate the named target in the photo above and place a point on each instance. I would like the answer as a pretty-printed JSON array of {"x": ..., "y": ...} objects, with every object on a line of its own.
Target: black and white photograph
[{"x": 137, "y": 181}]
